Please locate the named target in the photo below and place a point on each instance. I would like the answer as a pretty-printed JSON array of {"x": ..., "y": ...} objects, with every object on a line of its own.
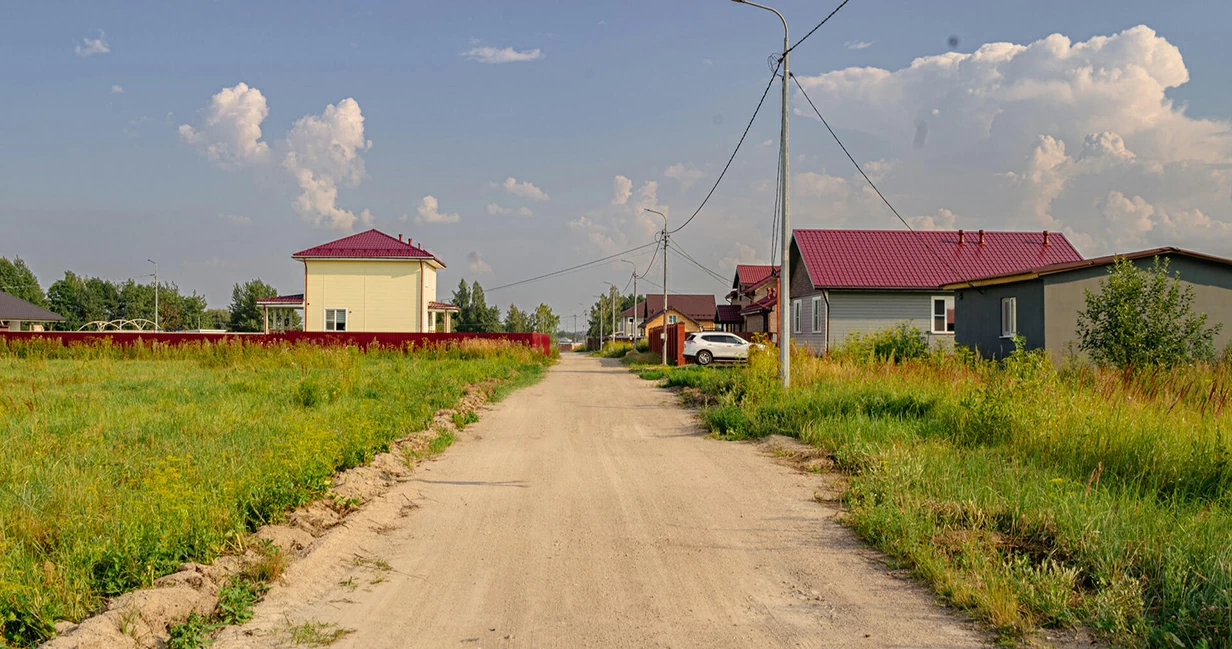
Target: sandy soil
[{"x": 590, "y": 511}]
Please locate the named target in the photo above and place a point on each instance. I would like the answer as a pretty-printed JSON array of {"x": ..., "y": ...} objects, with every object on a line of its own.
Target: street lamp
[
  {"x": 155, "y": 293},
  {"x": 615, "y": 291},
  {"x": 663, "y": 329},
  {"x": 785, "y": 273}
]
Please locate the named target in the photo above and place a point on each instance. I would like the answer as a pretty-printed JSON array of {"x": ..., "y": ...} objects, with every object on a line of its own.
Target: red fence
[
  {"x": 542, "y": 342},
  {"x": 675, "y": 342}
]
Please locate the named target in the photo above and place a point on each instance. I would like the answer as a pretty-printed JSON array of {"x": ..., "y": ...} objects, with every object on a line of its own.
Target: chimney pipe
[
  {"x": 410, "y": 241},
  {"x": 399, "y": 236},
  {"x": 1046, "y": 244},
  {"x": 981, "y": 237},
  {"x": 962, "y": 237}
]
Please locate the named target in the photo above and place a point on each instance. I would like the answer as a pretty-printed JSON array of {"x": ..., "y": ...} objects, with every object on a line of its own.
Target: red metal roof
[
  {"x": 442, "y": 306},
  {"x": 727, "y": 314},
  {"x": 371, "y": 244},
  {"x": 282, "y": 299},
  {"x": 749, "y": 274},
  {"x": 694, "y": 307},
  {"x": 927, "y": 259},
  {"x": 765, "y": 304}
]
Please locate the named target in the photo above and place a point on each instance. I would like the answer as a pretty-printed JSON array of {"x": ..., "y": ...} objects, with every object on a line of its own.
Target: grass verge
[
  {"x": 1029, "y": 496},
  {"x": 118, "y": 464}
]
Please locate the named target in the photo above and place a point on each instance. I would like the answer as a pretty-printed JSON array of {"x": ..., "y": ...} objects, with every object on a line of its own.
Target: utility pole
[
  {"x": 156, "y": 327},
  {"x": 612, "y": 296},
  {"x": 664, "y": 327},
  {"x": 785, "y": 306},
  {"x": 634, "y": 334}
]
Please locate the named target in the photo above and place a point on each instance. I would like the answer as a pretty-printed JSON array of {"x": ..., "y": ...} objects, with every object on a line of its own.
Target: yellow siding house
[{"x": 372, "y": 282}]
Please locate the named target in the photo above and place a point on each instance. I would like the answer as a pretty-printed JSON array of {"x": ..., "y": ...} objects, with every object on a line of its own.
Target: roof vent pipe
[
  {"x": 981, "y": 237},
  {"x": 962, "y": 237},
  {"x": 1046, "y": 244},
  {"x": 399, "y": 236}
]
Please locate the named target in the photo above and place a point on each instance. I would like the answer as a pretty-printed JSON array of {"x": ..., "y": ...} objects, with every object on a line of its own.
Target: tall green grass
[
  {"x": 1028, "y": 495},
  {"x": 119, "y": 463}
]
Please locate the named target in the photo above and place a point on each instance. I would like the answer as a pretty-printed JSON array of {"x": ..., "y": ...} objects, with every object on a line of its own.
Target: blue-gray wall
[{"x": 977, "y": 317}]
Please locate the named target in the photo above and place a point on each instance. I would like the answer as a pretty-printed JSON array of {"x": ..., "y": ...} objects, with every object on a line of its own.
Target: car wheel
[{"x": 704, "y": 357}]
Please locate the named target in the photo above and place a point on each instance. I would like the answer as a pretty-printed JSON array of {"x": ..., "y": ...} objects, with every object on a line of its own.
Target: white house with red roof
[
  {"x": 370, "y": 282},
  {"x": 846, "y": 282}
]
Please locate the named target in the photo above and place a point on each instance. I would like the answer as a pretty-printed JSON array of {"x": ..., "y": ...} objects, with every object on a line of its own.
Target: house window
[
  {"x": 335, "y": 319},
  {"x": 816, "y": 314},
  {"x": 795, "y": 315},
  {"x": 671, "y": 319},
  {"x": 1009, "y": 317},
  {"x": 943, "y": 314}
]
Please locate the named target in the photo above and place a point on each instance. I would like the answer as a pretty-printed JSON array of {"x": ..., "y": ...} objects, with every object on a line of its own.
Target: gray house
[
  {"x": 859, "y": 281},
  {"x": 1042, "y": 304},
  {"x": 14, "y": 311}
]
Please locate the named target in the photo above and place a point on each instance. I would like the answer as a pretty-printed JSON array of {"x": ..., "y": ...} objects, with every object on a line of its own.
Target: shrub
[
  {"x": 901, "y": 342},
  {"x": 615, "y": 349},
  {"x": 1142, "y": 318},
  {"x": 643, "y": 345}
]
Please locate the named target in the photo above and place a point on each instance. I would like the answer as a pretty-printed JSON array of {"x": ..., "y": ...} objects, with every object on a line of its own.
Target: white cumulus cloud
[
  {"x": 857, "y": 45},
  {"x": 323, "y": 152},
  {"x": 91, "y": 46},
  {"x": 429, "y": 211},
  {"x": 525, "y": 189},
  {"x": 476, "y": 263},
  {"x": 622, "y": 188},
  {"x": 230, "y": 135},
  {"x": 501, "y": 55},
  {"x": 685, "y": 174},
  {"x": 497, "y": 210}
]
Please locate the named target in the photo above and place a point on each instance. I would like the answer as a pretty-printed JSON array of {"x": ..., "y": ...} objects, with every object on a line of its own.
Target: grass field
[
  {"x": 117, "y": 465},
  {"x": 1027, "y": 495}
]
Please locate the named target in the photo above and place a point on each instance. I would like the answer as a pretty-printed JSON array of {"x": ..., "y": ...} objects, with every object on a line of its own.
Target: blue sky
[{"x": 97, "y": 173}]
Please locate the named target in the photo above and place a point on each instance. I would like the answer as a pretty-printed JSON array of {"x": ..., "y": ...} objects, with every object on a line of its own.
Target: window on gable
[
  {"x": 1009, "y": 317},
  {"x": 335, "y": 319},
  {"x": 671, "y": 319},
  {"x": 943, "y": 314}
]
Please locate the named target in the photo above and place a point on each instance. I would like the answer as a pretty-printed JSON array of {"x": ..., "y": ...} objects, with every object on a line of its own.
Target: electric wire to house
[
  {"x": 885, "y": 200},
  {"x": 689, "y": 258},
  {"x": 572, "y": 269},
  {"x": 823, "y": 21}
]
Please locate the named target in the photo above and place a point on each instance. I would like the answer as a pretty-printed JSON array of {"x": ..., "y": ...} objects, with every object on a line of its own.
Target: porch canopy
[
  {"x": 442, "y": 307},
  {"x": 281, "y": 305}
]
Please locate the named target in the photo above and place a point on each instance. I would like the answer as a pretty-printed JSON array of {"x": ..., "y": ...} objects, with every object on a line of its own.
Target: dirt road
[{"x": 589, "y": 511}]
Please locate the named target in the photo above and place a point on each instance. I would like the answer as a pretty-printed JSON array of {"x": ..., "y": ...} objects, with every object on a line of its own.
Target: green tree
[
  {"x": 66, "y": 297},
  {"x": 474, "y": 313},
  {"x": 1144, "y": 318},
  {"x": 18, "y": 280},
  {"x": 602, "y": 326},
  {"x": 216, "y": 319},
  {"x": 546, "y": 322},
  {"x": 518, "y": 321},
  {"x": 245, "y": 314}
]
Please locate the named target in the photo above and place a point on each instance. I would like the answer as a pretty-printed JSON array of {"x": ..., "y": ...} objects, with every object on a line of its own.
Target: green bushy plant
[{"x": 900, "y": 342}]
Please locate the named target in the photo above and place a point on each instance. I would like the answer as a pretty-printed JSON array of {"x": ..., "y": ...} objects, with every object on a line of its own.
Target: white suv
[{"x": 708, "y": 346}]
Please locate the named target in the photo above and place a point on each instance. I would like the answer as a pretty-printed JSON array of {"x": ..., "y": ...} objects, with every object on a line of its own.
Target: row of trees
[
  {"x": 600, "y": 319},
  {"x": 476, "y": 316},
  {"x": 81, "y": 300}
]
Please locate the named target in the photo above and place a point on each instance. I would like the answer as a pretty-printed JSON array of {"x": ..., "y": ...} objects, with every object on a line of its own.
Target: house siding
[
  {"x": 977, "y": 317},
  {"x": 802, "y": 289},
  {"x": 380, "y": 296},
  {"x": 690, "y": 325},
  {"x": 1065, "y": 297},
  {"x": 866, "y": 312}
]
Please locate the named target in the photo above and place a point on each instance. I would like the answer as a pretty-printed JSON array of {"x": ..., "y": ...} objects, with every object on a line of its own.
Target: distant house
[
  {"x": 1042, "y": 304},
  {"x": 697, "y": 312},
  {"x": 14, "y": 311},
  {"x": 727, "y": 318},
  {"x": 859, "y": 281},
  {"x": 369, "y": 282},
  {"x": 755, "y": 289}
]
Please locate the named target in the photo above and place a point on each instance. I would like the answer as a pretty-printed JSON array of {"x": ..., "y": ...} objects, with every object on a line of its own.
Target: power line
[
  {"x": 773, "y": 75},
  {"x": 823, "y": 21},
  {"x": 684, "y": 255},
  {"x": 778, "y": 195},
  {"x": 872, "y": 184},
  {"x": 565, "y": 271}
]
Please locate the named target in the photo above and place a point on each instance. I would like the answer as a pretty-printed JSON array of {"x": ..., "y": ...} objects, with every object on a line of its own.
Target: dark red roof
[
  {"x": 283, "y": 299},
  {"x": 1031, "y": 273},
  {"x": 727, "y": 314},
  {"x": 443, "y": 306},
  {"x": 750, "y": 274},
  {"x": 927, "y": 259},
  {"x": 693, "y": 307},
  {"x": 372, "y": 244},
  {"x": 765, "y": 304}
]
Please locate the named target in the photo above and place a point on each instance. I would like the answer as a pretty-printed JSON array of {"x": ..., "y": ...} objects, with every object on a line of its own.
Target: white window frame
[
  {"x": 932, "y": 315},
  {"x": 671, "y": 319},
  {"x": 817, "y": 314},
  {"x": 1012, "y": 320},
  {"x": 345, "y": 319},
  {"x": 796, "y": 306}
]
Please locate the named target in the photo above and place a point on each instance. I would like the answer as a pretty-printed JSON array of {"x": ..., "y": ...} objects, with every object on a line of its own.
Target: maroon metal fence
[{"x": 542, "y": 342}]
